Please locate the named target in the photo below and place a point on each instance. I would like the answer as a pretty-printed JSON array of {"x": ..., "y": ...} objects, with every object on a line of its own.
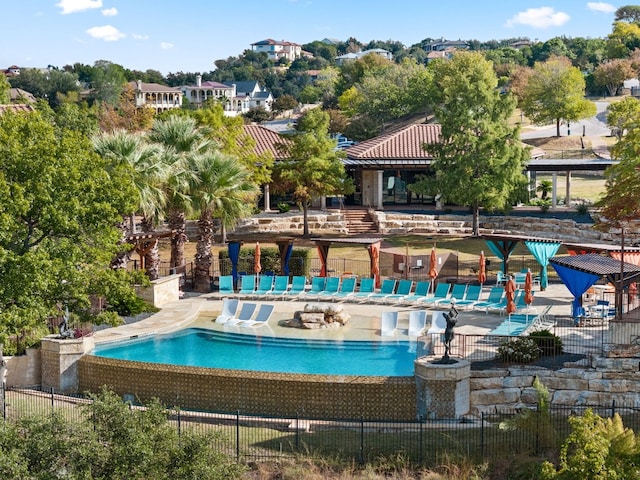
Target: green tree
[
  {"x": 623, "y": 40},
  {"x": 555, "y": 92},
  {"x": 5, "y": 88},
  {"x": 544, "y": 187},
  {"x": 107, "y": 82},
  {"x": 479, "y": 160},
  {"x": 622, "y": 115},
  {"x": 311, "y": 167},
  {"x": 284, "y": 103},
  {"x": 613, "y": 73},
  {"x": 46, "y": 85},
  {"x": 628, "y": 13}
]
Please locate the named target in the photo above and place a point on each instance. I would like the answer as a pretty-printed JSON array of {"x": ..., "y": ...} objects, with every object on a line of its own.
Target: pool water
[{"x": 214, "y": 349}]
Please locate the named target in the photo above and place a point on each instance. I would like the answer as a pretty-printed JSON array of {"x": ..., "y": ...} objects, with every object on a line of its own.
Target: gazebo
[{"x": 371, "y": 244}]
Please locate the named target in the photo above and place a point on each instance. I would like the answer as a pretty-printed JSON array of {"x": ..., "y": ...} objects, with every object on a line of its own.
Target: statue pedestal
[
  {"x": 60, "y": 362},
  {"x": 443, "y": 389}
]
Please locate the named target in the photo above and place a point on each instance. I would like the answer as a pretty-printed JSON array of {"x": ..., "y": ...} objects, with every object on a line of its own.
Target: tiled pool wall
[{"x": 259, "y": 393}]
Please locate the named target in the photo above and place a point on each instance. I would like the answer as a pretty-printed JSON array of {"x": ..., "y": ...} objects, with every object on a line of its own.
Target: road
[{"x": 593, "y": 127}]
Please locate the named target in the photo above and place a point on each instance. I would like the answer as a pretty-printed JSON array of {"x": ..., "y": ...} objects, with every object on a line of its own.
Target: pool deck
[{"x": 201, "y": 310}]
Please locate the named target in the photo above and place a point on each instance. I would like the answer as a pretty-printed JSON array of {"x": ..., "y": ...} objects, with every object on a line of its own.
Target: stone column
[
  {"x": 267, "y": 198},
  {"x": 323, "y": 203},
  {"x": 379, "y": 190},
  {"x": 443, "y": 390},
  {"x": 554, "y": 190},
  {"x": 60, "y": 362},
  {"x": 567, "y": 198}
]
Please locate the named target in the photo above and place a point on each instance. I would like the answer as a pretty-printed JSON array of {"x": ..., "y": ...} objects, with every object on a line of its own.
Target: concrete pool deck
[{"x": 201, "y": 310}]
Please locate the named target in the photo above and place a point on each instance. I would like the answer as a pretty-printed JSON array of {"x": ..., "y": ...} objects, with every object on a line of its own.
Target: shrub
[
  {"x": 548, "y": 343},
  {"x": 582, "y": 208},
  {"x": 519, "y": 350},
  {"x": 283, "y": 207}
]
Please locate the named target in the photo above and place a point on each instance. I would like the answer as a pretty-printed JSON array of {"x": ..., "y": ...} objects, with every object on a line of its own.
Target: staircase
[{"x": 359, "y": 221}]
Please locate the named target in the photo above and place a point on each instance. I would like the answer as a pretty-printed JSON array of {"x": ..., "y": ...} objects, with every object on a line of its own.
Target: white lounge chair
[
  {"x": 262, "y": 317},
  {"x": 388, "y": 323},
  {"x": 438, "y": 323},
  {"x": 229, "y": 309},
  {"x": 417, "y": 322},
  {"x": 246, "y": 312}
]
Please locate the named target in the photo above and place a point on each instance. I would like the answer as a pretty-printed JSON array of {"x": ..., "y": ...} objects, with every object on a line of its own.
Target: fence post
[
  {"x": 179, "y": 426},
  {"x": 613, "y": 407},
  {"x": 420, "y": 439},
  {"x": 3, "y": 398},
  {"x": 482, "y": 446},
  {"x": 238, "y": 436},
  {"x": 297, "y": 432},
  {"x": 52, "y": 402},
  {"x": 362, "y": 441}
]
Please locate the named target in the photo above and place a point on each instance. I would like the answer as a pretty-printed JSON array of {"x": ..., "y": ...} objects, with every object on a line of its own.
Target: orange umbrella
[
  {"x": 510, "y": 292},
  {"x": 433, "y": 271},
  {"x": 256, "y": 259},
  {"x": 528, "y": 288},
  {"x": 374, "y": 256},
  {"x": 482, "y": 269}
]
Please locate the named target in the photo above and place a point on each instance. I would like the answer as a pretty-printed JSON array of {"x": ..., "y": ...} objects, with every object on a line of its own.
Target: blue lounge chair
[
  {"x": 420, "y": 293},
  {"x": 331, "y": 287},
  {"x": 458, "y": 292},
  {"x": 495, "y": 296},
  {"x": 471, "y": 297},
  {"x": 442, "y": 291},
  {"x": 246, "y": 312},
  {"x": 229, "y": 309},
  {"x": 388, "y": 323},
  {"x": 280, "y": 286},
  {"x": 347, "y": 288},
  {"x": 502, "y": 305},
  {"x": 248, "y": 286},
  {"x": 225, "y": 285},
  {"x": 265, "y": 285},
  {"x": 298, "y": 284},
  {"x": 317, "y": 286},
  {"x": 387, "y": 288},
  {"x": 367, "y": 287},
  {"x": 262, "y": 317},
  {"x": 417, "y": 322},
  {"x": 404, "y": 289}
]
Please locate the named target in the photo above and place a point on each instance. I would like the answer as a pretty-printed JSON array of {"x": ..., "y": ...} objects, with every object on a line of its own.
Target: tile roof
[
  {"x": 265, "y": 139},
  {"x": 400, "y": 144},
  {"x": 154, "y": 87},
  {"x": 16, "y": 107}
]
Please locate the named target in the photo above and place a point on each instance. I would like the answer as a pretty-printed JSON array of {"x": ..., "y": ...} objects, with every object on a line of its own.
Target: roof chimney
[{"x": 199, "y": 80}]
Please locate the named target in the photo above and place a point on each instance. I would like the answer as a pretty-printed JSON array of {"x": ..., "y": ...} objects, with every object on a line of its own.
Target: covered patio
[{"x": 371, "y": 244}]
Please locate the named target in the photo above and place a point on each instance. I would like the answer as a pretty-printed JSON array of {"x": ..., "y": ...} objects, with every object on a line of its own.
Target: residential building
[
  {"x": 354, "y": 56},
  {"x": 18, "y": 95},
  {"x": 236, "y": 97},
  {"x": 250, "y": 95},
  {"x": 443, "y": 44},
  {"x": 156, "y": 96},
  {"x": 277, "y": 50}
]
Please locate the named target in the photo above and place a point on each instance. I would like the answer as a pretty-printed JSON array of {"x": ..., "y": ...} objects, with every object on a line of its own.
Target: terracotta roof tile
[
  {"x": 17, "y": 107},
  {"x": 401, "y": 144},
  {"x": 265, "y": 139}
]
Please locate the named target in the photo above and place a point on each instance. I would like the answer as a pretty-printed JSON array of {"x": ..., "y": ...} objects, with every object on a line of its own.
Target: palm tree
[
  {"x": 544, "y": 187},
  {"x": 223, "y": 185},
  {"x": 181, "y": 142},
  {"x": 148, "y": 175}
]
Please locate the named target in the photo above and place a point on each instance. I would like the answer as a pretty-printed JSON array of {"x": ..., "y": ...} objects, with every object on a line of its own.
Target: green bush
[
  {"x": 519, "y": 350},
  {"x": 582, "y": 208},
  {"x": 299, "y": 263},
  {"x": 548, "y": 343},
  {"x": 283, "y": 207}
]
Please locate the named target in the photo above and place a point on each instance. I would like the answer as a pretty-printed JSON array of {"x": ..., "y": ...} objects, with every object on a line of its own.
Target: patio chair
[
  {"x": 248, "y": 285},
  {"x": 317, "y": 286},
  {"x": 265, "y": 285},
  {"x": 387, "y": 288},
  {"x": 225, "y": 285},
  {"x": 458, "y": 293},
  {"x": 298, "y": 284},
  {"x": 347, "y": 288},
  {"x": 501, "y": 279},
  {"x": 471, "y": 297},
  {"x": 246, "y": 312},
  {"x": 438, "y": 323},
  {"x": 442, "y": 291},
  {"x": 417, "y": 322},
  {"x": 280, "y": 286},
  {"x": 388, "y": 323},
  {"x": 262, "y": 317},
  {"x": 501, "y": 306},
  {"x": 331, "y": 287},
  {"x": 404, "y": 289},
  {"x": 367, "y": 287},
  {"x": 420, "y": 293},
  {"x": 495, "y": 296},
  {"x": 229, "y": 309}
]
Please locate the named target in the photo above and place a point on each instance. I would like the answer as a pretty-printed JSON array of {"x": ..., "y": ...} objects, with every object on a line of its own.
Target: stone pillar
[
  {"x": 443, "y": 390},
  {"x": 267, "y": 198},
  {"x": 323, "y": 203},
  {"x": 60, "y": 362},
  {"x": 554, "y": 190},
  {"x": 379, "y": 190},
  {"x": 567, "y": 198}
]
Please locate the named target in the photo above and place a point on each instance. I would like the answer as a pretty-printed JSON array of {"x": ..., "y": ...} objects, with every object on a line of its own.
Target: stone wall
[
  {"x": 24, "y": 370},
  {"x": 161, "y": 291}
]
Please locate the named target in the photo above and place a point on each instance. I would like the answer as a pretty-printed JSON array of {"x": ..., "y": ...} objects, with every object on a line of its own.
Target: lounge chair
[
  {"x": 280, "y": 286},
  {"x": 458, "y": 293},
  {"x": 248, "y": 286},
  {"x": 331, "y": 287},
  {"x": 502, "y": 305},
  {"x": 471, "y": 297},
  {"x": 347, "y": 288},
  {"x": 246, "y": 312},
  {"x": 225, "y": 285},
  {"x": 438, "y": 323},
  {"x": 367, "y": 287},
  {"x": 388, "y": 323},
  {"x": 442, "y": 290},
  {"x": 298, "y": 284},
  {"x": 417, "y": 322},
  {"x": 404, "y": 289},
  {"x": 265, "y": 285},
  {"x": 387, "y": 288},
  {"x": 495, "y": 296},
  {"x": 420, "y": 293},
  {"x": 262, "y": 317},
  {"x": 229, "y": 309},
  {"x": 317, "y": 286}
]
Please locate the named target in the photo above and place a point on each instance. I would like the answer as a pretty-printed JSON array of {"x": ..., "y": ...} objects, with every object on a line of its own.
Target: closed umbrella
[
  {"x": 510, "y": 292},
  {"x": 482, "y": 269},
  {"x": 528, "y": 288},
  {"x": 433, "y": 271},
  {"x": 256, "y": 259}
]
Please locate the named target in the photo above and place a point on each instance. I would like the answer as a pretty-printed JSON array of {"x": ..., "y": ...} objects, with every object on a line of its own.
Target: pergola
[
  {"x": 143, "y": 243},
  {"x": 371, "y": 244},
  {"x": 285, "y": 248}
]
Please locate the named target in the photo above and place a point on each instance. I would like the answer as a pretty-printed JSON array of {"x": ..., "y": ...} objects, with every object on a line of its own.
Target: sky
[{"x": 189, "y": 35}]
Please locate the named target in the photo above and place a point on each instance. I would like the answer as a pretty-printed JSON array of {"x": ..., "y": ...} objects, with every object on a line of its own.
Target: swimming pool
[{"x": 200, "y": 347}]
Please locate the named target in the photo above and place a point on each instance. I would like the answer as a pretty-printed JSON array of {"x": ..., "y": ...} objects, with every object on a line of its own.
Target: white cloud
[
  {"x": 166, "y": 45},
  {"x": 72, "y": 6},
  {"x": 106, "y": 33},
  {"x": 542, "y": 17},
  {"x": 137, "y": 36},
  {"x": 601, "y": 7},
  {"x": 110, "y": 12}
]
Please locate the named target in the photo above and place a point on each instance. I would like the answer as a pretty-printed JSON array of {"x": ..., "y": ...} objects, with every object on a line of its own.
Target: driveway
[{"x": 593, "y": 127}]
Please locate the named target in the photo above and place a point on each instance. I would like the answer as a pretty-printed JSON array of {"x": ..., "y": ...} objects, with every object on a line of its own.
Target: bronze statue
[{"x": 452, "y": 318}]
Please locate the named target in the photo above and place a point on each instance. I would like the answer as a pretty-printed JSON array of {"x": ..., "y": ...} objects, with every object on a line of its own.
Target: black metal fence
[{"x": 424, "y": 441}]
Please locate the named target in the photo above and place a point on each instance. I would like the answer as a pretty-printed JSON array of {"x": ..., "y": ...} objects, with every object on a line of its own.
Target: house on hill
[
  {"x": 277, "y": 50},
  {"x": 156, "y": 96},
  {"x": 236, "y": 97}
]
